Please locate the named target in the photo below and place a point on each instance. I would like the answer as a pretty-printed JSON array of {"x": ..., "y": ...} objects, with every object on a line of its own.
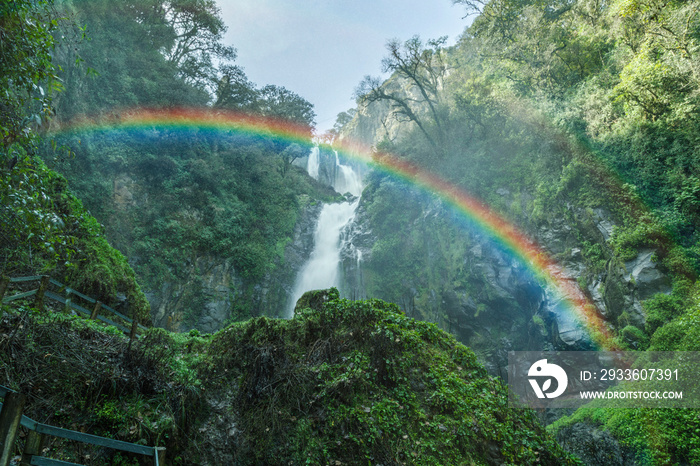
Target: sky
[{"x": 321, "y": 49}]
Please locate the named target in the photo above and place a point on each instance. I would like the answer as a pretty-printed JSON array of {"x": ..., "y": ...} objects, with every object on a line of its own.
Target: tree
[
  {"x": 27, "y": 75},
  {"x": 29, "y": 225},
  {"x": 234, "y": 91},
  {"x": 551, "y": 45},
  {"x": 342, "y": 119},
  {"x": 471, "y": 6},
  {"x": 424, "y": 68},
  {"x": 126, "y": 51},
  {"x": 283, "y": 104},
  {"x": 290, "y": 154},
  {"x": 197, "y": 30},
  {"x": 662, "y": 77}
]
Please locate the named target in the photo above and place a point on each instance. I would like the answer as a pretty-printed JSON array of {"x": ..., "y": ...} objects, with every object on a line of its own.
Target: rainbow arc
[{"x": 486, "y": 220}]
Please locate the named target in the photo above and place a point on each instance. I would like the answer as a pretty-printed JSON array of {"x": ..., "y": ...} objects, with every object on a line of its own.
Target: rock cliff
[
  {"x": 467, "y": 285},
  {"x": 213, "y": 292}
]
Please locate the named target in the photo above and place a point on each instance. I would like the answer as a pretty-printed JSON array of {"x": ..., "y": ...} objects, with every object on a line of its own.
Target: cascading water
[
  {"x": 346, "y": 179},
  {"x": 313, "y": 163},
  {"x": 322, "y": 269}
]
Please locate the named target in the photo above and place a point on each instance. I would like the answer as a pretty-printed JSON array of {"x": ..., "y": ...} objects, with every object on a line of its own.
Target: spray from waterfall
[{"x": 323, "y": 267}]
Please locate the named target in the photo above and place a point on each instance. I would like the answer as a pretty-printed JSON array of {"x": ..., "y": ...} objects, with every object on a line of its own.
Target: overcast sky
[{"x": 321, "y": 49}]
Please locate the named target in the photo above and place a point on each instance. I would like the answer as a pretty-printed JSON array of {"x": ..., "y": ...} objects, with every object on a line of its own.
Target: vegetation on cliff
[
  {"x": 179, "y": 202},
  {"x": 44, "y": 228},
  {"x": 544, "y": 110},
  {"x": 551, "y": 112}
]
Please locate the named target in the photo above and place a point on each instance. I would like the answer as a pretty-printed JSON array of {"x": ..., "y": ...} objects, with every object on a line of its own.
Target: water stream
[
  {"x": 322, "y": 269},
  {"x": 313, "y": 163}
]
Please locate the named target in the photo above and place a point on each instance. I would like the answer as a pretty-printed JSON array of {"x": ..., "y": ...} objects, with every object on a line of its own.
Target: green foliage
[
  {"x": 88, "y": 381},
  {"x": 369, "y": 384},
  {"x": 419, "y": 67},
  {"x": 28, "y": 75},
  {"x": 634, "y": 337},
  {"x": 653, "y": 436},
  {"x": 174, "y": 197},
  {"x": 46, "y": 229},
  {"x": 676, "y": 321},
  {"x": 342, "y": 380},
  {"x": 139, "y": 53},
  {"x": 566, "y": 108},
  {"x": 659, "y": 310},
  {"x": 169, "y": 197},
  {"x": 595, "y": 255}
]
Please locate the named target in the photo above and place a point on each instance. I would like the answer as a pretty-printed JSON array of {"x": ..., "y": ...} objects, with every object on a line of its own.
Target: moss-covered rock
[
  {"x": 343, "y": 382},
  {"x": 350, "y": 382}
]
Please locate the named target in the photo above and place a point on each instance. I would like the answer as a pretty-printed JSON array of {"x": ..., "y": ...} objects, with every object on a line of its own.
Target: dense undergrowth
[
  {"x": 653, "y": 436},
  {"x": 343, "y": 382},
  {"x": 46, "y": 229},
  {"x": 550, "y": 110},
  {"x": 81, "y": 375}
]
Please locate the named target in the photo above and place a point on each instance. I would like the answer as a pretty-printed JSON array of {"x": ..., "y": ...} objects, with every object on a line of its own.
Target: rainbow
[{"x": 488, "y": 221}]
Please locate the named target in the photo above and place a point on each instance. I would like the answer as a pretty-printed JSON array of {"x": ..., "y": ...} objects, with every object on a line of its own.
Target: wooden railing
[
  {"x": 68, "y": 301},
  {"x": 11, "y": 418}
]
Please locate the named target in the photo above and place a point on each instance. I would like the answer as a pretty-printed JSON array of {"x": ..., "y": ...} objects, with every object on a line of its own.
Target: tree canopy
[
  {"x": 28, "y": 76},
  {"x": 423, "y": 67}
]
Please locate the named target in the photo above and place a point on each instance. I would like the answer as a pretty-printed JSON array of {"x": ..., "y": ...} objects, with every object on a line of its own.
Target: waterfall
[
  {"x": 313, "y": 163},
  {"x": 322, "y": 269},
  {"x": 346, "y": 179}
]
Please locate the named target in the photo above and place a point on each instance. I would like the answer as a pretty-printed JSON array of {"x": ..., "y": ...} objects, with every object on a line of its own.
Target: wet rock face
[
  {"x": 206, "y": 297},
  {"x": 374, "y": 122},
  {"x": 619, "y": 288},
  {"x": 486, "y": 298},
  {"x": 628, "y": 284},
  {"x": 498, "y": 304},
  {"x": 357, "y": 240},
  {"x": 123, "y": 191},
  {"x": 567, "y": 235},
  {"x": 299, "y": 250},
  {"x": 643, "y": 272},
  {"x": 603, "y": 222}
]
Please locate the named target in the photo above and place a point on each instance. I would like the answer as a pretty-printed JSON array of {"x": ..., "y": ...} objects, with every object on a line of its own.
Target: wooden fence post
[
  {"x": 67, "y": 309},
  {"x": 134, "y": 324},
  {"x": 132, "y": 334},
  {"x": 160, "y": 456},
  {"x": 39, "y": 299},
  {"x": 32, "y": 447},
  {"x": 10, "y": 417},
  {"x": 4, "y": 281},
  {"x": 95, "y": 310}
]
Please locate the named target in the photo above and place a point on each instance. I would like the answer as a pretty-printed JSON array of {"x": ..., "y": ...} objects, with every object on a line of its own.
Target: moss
[
  {"x": 537, "y": 320},
  {"x": 634, "y": 337},
  {"x": 652, "y": 436},
  {"x": 660, "y": 309},
  {"x": 341, "y": 381},
  {"x": 348, "y": 381}
]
